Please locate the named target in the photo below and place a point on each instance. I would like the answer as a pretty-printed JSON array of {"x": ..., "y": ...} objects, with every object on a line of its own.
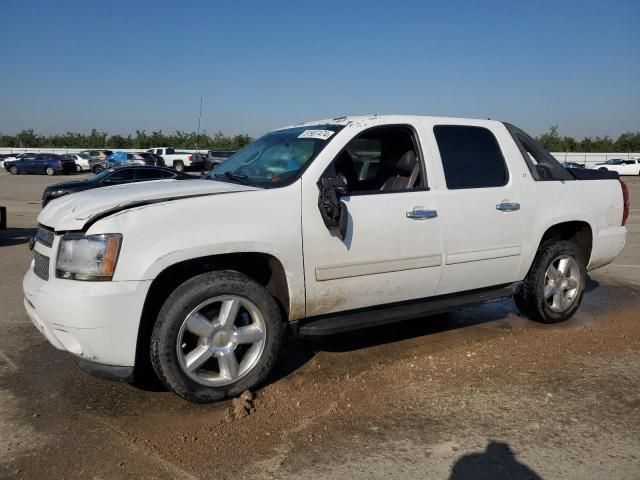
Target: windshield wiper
[{"x": 233, "y": 176}]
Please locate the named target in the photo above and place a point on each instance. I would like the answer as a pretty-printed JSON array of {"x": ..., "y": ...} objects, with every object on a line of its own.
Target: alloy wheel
[
  {"x": 221, "y": 340},
  {"x": 561, "y": 283}
]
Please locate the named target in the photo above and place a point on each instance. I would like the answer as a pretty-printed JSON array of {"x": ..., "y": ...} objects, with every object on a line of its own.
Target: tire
[
  {"x": 78, "y": 168},
  {"x": 173, "y": 340},
  {"x": 178, "y": 166},
  {"x": 98, "y": 169},
  {"x": 13, "y": 170},
  {"x": 49, "y": 171},
  {"x": 552, "y": 299}
]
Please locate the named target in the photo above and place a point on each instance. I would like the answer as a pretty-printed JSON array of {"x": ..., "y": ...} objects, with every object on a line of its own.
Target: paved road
[{"x": 482, "y": 393}]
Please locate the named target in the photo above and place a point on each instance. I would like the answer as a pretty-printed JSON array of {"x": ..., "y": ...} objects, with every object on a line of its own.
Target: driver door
[{"x": 392, "y": 247}]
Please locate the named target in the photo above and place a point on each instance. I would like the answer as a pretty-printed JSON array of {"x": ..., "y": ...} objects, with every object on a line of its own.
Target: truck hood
[{"x": 73, "y": 212}]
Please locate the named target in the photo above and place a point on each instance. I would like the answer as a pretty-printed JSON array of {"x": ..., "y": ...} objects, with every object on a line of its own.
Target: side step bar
[{"x": 382, "y": 314}]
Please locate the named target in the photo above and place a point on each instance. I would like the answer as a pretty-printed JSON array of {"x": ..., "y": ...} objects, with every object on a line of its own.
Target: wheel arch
[
  {"x": 577, "y": 231},
  {"x": 264, "y": 268}
]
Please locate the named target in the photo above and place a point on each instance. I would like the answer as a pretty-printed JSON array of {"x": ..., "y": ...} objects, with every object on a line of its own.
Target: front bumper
[
  {"x": 96, "y": 321},
  {"x": 108, "y": 372}
]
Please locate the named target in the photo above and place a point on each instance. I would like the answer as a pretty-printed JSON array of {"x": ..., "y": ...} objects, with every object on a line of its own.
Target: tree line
[
  {"x": 625, "y": 143},
  {"x": 551, "y": 139},
  {"x": 141, "y": 139}
]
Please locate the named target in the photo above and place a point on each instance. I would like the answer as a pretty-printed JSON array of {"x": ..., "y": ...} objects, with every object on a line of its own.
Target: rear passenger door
[
  {"x": 37, "y": 164},
  {"x": 481, "y": 208},
  {"x": 629, "y": 167}
]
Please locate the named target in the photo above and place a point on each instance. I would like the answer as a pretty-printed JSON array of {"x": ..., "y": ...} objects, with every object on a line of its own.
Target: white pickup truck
[
  {"x": 316, "y": 229},
  {"x": 180, "y": 161}
]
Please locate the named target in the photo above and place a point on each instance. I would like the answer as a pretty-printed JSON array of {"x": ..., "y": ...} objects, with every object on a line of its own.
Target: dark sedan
[
  {"x": 113, "y": 176},
  {"x": 47, "y": 163}
]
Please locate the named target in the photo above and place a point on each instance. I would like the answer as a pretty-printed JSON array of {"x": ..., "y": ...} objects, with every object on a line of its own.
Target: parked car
[
  {"x": 43, "y": 163},
  {"x": 81, "y": 160},
  {"x": 118, "y": 159},
  {"x": 181, "y": 161},
  {"x": 573, "y": 165},
  {"x": 6, "y": 156},
  {"x": 624, "y": 166},
  {"x": 205, "y": 277},
  {"x": 213, "y": 159},
  {"x": 110, "y": 177},
  {"x": 96, "y": 158},
  {"x": 16, "y": 156},
  {"x": 152, "y": 159}
]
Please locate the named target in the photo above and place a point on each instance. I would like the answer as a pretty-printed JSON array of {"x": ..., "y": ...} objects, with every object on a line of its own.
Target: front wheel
[
  {"x": 13, "y": 170},
  {"x": 553, "y": 288},
  {"x": 49, "y": 171},
  {"x": 217, "y": 335},
  {"x": 98, "y": 169}
]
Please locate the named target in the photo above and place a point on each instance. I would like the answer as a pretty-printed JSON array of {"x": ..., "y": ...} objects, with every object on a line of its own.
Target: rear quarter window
[{"x": 471, "y": 157}]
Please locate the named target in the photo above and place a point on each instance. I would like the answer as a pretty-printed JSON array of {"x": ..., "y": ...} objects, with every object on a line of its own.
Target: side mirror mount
[
  {"x": 334, "y": 213},
  {"x": 544, "y": 172}
]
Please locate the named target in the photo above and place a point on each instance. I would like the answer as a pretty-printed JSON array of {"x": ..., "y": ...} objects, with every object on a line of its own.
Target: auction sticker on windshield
[{"x": 319, "y": 134}]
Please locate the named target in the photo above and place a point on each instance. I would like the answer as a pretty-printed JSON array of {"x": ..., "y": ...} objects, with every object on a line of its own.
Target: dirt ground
[{"x": 481, "y": 393}]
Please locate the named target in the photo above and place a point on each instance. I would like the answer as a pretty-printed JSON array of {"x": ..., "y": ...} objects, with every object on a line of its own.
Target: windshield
[{"x": 276, "y": 158}]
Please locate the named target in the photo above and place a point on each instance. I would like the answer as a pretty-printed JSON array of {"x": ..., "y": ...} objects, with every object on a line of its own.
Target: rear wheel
[
  {"x": 217, "y": 335},
  {"x": 553, "y": 288},
  {"x": 179, "y": 166},
  {"x": 13, "y": 170},
  {"x": 49, "y": 171},
  {"x": 97, "y": 169},
  {"x": 78, "y": 168}
]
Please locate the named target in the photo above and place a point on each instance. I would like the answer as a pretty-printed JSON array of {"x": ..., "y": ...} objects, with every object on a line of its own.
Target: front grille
[
  {"x": 41, "y": 265},
  {"x": 45, "y": 237}
]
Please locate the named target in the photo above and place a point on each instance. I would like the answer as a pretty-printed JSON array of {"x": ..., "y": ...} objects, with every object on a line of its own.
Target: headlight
[
  {"x": 90, "y": 257},
  {"x": 57, "y": 193}
]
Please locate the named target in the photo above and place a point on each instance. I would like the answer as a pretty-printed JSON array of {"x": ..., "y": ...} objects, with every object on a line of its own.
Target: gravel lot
[{"x": 481, "y": 393}]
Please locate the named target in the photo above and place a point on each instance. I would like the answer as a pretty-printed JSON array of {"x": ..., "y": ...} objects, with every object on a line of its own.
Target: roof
[{"x": 372, "y": 120}]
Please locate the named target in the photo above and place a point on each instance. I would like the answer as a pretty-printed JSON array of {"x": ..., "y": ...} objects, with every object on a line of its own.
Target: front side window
[
  {"x": 471, "y": 157},
  {"x": 381, "y": 159},
  {"x": 277, "y": 158}
]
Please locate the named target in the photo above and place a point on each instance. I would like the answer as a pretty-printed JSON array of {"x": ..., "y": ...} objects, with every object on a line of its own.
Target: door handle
[
  {"x": 418, "y": 214},
  {"x": 508, "y": 207}
]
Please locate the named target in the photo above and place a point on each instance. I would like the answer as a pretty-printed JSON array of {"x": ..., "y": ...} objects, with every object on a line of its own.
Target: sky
[{"x": 118, "y": 66}]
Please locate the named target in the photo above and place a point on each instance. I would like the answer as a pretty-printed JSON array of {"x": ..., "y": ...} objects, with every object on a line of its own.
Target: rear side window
[
  {"x": 148, "y": 174},
  {"x": 471, "y": 157}
]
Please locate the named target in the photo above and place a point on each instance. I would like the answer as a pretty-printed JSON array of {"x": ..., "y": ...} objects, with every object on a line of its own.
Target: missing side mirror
[{"x": 334, "y": 213}]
